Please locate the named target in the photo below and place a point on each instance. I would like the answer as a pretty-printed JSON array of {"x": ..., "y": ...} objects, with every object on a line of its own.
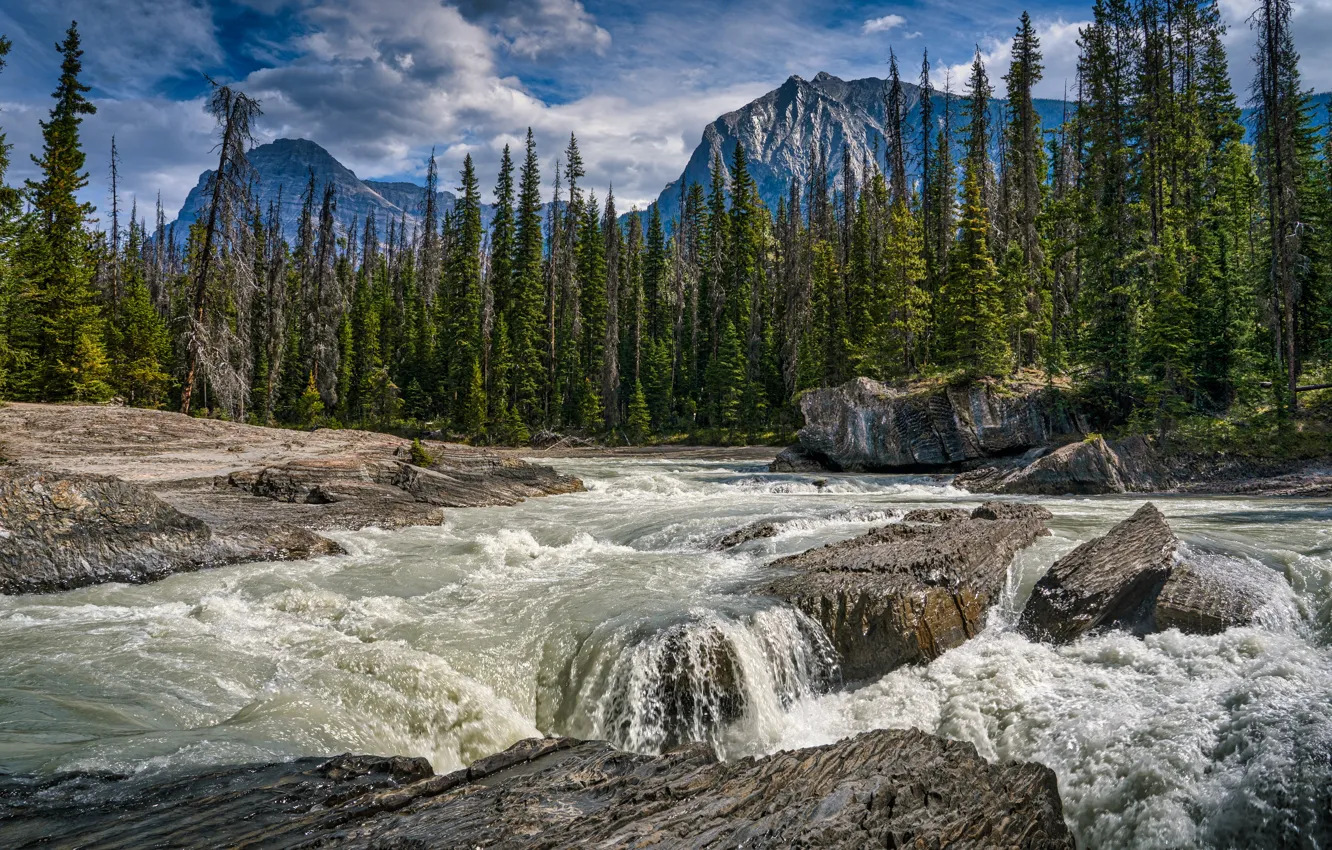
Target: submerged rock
[
  {"x": 59, "y": 531},
  {"x": 754, "y": 531},
  {"x": 887, "y": 788},
  {"x": 1209, "y": 594},
  {"x": 1111, "y": 579},
  {"x": 864, "y": 425},
  {"x": 907, "y": 592},
  {"x": 1086, "y": 468}
]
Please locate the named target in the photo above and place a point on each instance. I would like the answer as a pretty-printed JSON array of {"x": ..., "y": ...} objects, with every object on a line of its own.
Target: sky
[{"x": 380, "y": 83}]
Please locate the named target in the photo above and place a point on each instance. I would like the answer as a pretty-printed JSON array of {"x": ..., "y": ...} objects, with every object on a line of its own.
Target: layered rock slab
[
  {"x": 865, "y": 425},
  {"x": 63, "y": 530},
  {"x": 909, "y": 591},
  {"x": 1085, "y": 468},
  {"x": 887, "y": 788},
  {"x": 1111, "y": 579}
]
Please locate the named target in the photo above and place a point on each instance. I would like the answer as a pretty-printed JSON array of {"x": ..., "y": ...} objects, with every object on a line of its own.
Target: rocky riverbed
[{"x": 91, "y": 494}]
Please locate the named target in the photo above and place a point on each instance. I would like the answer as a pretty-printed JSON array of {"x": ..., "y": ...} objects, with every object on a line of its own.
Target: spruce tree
[
  {"x": 525, "y": 326},
  {"x": 64, "y": 356}
]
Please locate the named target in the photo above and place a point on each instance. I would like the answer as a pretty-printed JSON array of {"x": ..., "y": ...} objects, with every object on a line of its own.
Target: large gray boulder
[
  {"x": 1085, "y": 468},
  {"x": 909, "y": 591},
  {"x": 864, "y": 425},
  {"x": 887, "y": 788},
  {"x": 1112, "y": 579},
  {"x": 64, "y": 530}
]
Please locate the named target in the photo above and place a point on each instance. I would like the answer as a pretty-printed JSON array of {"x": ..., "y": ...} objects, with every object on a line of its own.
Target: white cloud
[
  {"x": 1059, "y": 50},
  {"x": 883, "y": 24}
]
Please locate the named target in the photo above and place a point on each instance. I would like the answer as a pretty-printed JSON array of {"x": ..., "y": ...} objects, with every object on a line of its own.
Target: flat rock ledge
[
  {"x": 1135, "y": 578},
  {"x": 907, "y": 592},
  {"x": 888, "y": 788},
  {"x": 61, "y": 530},
  {"x": 867, "y": 426},
  {"x": 95, "y": 494}
]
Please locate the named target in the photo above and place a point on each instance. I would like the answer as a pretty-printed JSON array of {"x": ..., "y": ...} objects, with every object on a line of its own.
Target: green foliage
[{"x": 421, "y": 457}]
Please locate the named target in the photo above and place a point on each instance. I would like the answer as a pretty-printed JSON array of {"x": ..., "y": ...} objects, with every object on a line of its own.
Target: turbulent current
[{"x": 606, "y": 614}]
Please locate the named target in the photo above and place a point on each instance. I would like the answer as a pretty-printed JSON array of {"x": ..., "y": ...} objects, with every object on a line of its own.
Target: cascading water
[
  {"x": 608, "y": 614},
  {"x": 713, "y": 679}
]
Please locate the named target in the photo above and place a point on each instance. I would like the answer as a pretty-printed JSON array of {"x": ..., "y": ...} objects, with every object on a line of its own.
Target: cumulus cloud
[{"x": 883, "y": 24}]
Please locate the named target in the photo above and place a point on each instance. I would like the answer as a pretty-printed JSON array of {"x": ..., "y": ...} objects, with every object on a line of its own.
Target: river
[{"x": 601, "y": 614}]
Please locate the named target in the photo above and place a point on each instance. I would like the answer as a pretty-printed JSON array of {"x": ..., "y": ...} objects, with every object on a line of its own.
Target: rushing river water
[{"x": 605, "y": 614}]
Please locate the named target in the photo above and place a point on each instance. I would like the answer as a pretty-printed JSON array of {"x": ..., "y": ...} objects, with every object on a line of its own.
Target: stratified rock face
[
  {"x": 64, "y": 530},
  {"x": 865, "y": 425},
  {"x": 907, "y": 592},
  {"x": 1085, "y": 468},
  {"x": 1209, "y": 595},
  {"x": 1112, "y": 578},
  {"x": 888, "y": 788}
]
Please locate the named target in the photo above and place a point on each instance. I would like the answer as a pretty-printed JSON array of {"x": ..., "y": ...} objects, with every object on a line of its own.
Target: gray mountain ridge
[{"x": 781, "y": 131}]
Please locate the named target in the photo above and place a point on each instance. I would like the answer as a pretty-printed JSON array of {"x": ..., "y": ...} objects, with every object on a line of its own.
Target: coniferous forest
[{"x": 1163, "y": 261}]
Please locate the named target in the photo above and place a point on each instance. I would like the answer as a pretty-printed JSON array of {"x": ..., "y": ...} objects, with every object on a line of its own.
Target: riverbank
[{"x": 96, "y": 493}]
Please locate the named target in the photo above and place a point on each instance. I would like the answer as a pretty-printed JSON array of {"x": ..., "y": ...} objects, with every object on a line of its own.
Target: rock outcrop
[
  {"x": 888, "y": 788},
  {"x": 99, "y": 494},
  {"x": 797, "y": 459},
  {"x": 1085, "y": 468},
  {"x": 907, "y": 592},
  {"x": 1208, "y": 594},
  {"x": 864, "y": 425},
  {"x": 63, "y": 530},
  {"x": 1112, "y": 579},
  {"x": 754, "y": 531}
]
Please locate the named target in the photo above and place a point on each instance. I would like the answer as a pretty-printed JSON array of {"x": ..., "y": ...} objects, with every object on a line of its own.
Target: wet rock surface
[
  {"x": 906, "y": 592},
  {"x": 1111, "y": 579},
  {"x": 62, "y": 530},
  {"x": 1085, "y": 468},
  {"x": 754, "y": 531},
  {"x": 96, "y": 494},
  {"x": 798, "y": 459},
  {"x": 864, "y": 425},
  {"x": 888, "y": 788},
  {"x": 1208, "y": 594}
]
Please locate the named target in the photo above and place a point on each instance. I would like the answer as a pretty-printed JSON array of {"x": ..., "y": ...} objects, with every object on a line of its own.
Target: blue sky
[{"x": 381, "y": 82}]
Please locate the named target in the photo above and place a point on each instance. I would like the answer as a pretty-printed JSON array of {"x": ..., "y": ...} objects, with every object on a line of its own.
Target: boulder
[
  {"x": 797, "y": 459},
  {"x": 64, "y": 530},
  {"x": 1109, "y": 580},
  {"x": 1209, "y": 593},
  {"x": 864, "y": 425},
  {"x": 907, "y": 592},
  {"x": 1085, "y": 468},
  {"x": 754, "y": 531},
  {"x": 887, "y": 788}
]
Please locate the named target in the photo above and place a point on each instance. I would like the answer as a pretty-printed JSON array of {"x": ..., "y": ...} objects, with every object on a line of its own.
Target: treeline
[{"x": 1142, "y": 249}]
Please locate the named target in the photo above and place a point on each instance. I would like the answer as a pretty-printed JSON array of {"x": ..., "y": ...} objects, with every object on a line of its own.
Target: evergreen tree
[{"x": 63, "y": 355}]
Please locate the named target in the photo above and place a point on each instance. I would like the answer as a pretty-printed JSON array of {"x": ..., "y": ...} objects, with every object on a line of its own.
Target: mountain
[
  {"x": 782, "y": 129},
  {"x": 283, "y": 169}
]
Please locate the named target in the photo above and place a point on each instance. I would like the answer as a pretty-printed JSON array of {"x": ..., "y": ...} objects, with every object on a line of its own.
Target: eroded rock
[
  {"x": 754, "y": 531},
  {"x": 1085, "y": 468},
  {"x": 887, "y": 788},
  {"x": 1112, "y": 579},
  {"x": 907, "y": 592},
  {"x": 864, "y": 425},
  {"x": 797, "y": 459},
  {"x": 64, "y": 530},
  {"x": 1210, "y": 593}
]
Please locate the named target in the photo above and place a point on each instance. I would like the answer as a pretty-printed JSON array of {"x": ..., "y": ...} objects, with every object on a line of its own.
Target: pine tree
[
  {"x": 640, "y": 419},
  {"x": 64, "y": 355},
  {"x": 525, "y": 326},
  {"x": 465, "y": 387},
  {"x": 9, "y": 203}
]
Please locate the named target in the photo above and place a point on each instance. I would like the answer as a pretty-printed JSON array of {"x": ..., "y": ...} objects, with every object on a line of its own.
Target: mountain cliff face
[
  {"x": 283, "y": 170},
  {"x": 784, "y": 130}
]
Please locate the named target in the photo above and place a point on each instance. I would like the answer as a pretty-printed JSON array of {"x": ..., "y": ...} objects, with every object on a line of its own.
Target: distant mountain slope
[
  {"x": 283, "y": 170},
  {"x": 782, "y": 129}
]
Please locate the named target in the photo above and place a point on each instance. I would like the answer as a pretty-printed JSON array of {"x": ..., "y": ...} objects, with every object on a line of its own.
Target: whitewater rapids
[{"x": 606, "y": 614}]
